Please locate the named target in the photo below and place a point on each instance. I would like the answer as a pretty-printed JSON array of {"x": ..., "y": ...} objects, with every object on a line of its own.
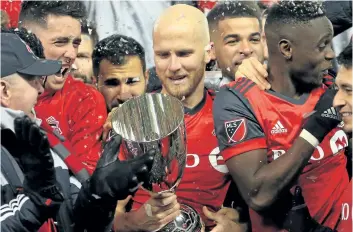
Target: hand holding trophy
[{"x": 156, "y": 121}]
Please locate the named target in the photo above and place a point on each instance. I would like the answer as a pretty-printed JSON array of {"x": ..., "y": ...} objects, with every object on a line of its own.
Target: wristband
[{"x": 309, "y": 138}]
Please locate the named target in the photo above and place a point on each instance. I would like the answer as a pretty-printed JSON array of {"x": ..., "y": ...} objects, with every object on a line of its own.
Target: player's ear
[
  {"x": 286, "y": 48},
  {"x": 5, "y": 93},
  {"x": 208, "y": 52}
]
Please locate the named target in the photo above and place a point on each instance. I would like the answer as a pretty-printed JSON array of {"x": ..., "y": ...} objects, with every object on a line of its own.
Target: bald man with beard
[{"x": 181, "y": 44}]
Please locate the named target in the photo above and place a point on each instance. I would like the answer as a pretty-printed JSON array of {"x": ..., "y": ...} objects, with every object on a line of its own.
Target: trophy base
[{"x": 188, "y": 221}]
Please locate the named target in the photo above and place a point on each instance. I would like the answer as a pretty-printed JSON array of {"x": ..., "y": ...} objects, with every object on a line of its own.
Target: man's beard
[
  {"x": 84, "y": 77},
  {"x": 180, "y": 92}
]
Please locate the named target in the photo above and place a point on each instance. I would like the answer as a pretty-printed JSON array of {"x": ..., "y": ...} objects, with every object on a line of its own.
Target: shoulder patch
[{"x": 236, "y": 130}]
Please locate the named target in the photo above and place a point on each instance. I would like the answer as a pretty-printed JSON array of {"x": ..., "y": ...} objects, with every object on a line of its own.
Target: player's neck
[
  {"x": 282, "y": 83},
  {"x": 196, "y": 97},
  {"x": 193, "y": 100}
]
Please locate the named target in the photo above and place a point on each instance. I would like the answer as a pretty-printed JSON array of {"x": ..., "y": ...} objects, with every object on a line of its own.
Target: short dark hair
[
  {"x": 233, "y": 9},
  {"x": 294, "y": 12},
  {"x": 89, "y": 28},
  {"x": 29, "y": 38},
  {"x": 345, "y": 57},
  {"x": 38, "y": 11},
  {"x": 116, "y": 48},
  {"x": 283, "y": 15}
]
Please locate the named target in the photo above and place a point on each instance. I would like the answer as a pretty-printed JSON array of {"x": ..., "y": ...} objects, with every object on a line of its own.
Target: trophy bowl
[{"x": 154, "y": 121}]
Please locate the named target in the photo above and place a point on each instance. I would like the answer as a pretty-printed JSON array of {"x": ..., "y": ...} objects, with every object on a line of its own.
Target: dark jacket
[
  {"x": 79, "y": 211},
  {"x": 340, "y": 15}
]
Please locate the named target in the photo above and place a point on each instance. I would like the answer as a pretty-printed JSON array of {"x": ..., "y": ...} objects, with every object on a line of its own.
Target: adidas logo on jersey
[
  {"x": 330, "y": 113},
  {"x": 278, "y": 128}
]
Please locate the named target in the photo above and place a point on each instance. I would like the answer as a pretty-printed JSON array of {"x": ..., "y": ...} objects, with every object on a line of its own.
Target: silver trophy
[{"x": 157, "y": 121}]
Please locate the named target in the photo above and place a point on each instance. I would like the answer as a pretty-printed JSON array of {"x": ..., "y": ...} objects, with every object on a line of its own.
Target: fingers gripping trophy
[{"x": 156, "y": 121}]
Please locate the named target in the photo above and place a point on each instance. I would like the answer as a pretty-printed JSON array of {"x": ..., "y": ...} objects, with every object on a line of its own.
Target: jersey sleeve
[
  {"x": 236, "y": 126},
  {"x": 87, "y": 120}
]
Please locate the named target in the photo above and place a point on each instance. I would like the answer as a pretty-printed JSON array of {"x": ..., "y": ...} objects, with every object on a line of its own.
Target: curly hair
[{"x": 116, "y": 48}]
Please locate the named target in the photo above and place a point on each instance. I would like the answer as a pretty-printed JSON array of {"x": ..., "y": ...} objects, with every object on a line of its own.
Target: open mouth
[
  {"x": 346, "y": 114},
  {"x": 178, "y": 79}
]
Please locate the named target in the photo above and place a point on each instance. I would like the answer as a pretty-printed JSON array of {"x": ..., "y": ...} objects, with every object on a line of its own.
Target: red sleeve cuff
[{"x": 249, "y": 145}]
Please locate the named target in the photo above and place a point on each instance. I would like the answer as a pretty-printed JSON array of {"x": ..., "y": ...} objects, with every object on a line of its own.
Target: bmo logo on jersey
[
  {"x": 214, "y": 158},
  {"x": 337, "y": 142}
]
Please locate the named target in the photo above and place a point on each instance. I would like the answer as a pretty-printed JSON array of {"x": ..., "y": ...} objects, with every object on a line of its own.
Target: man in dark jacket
[
  {"x": 36, "y": 183},
  {"x": 340, "y": 15}
]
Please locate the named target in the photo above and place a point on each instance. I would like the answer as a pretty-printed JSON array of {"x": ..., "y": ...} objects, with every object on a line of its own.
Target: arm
[
  {"x": 127, "y": 221},
  {"x": 259, "y": 182},
  {"x": 22, "y": 215},
  {"x": 113, "y": 180},
  {"x": 91, "y": 214},
  {"x": 88, "y": 119},
  {"x": 40, "y": 198}
]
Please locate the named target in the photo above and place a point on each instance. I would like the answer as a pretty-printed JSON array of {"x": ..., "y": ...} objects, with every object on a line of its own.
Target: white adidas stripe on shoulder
[{"x": 14, "y": 205}]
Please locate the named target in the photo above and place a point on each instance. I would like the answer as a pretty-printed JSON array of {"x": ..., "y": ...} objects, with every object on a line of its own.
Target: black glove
[
  {"x": 325, "y": 116},
  {"x": 298, "y": 219},
  {"x": 113, "y": 179},
  {"x": 37, "y": 164}
]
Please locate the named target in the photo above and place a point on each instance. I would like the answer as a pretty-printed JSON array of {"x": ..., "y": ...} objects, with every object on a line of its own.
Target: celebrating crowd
[{"x": 268, "y": 143}]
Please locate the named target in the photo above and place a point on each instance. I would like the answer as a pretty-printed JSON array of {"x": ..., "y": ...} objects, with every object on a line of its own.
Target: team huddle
[{"x": 258, "y": 159}]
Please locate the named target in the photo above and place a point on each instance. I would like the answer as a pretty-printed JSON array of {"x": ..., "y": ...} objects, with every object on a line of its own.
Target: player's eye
[
  {"x": 112, "y": 82},
  {"x": 348, "y": 90},
  {"x": 323, "y": 45},
  {"x": 162, "y": 55},
  {"x": 132, "y": 80},
  {"x": 231, "y": 42},
  {"x": 255, "y": 39},
  {"x": 61, "y": 42},
  {"x": 184, "y": 53}
]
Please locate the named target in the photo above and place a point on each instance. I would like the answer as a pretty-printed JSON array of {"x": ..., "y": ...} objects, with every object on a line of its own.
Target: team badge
[
  {"x": 54, "y": 124},
  {"x": 235, "y": 130}
]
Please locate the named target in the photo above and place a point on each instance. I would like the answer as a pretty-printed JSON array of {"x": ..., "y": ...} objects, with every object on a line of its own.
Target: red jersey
[
  {"x": 247, "y": 118},
  {"x": 206, "y": 180},
  {"x": 345, "y": 224},
  {"x": 77, "y": 112}
]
